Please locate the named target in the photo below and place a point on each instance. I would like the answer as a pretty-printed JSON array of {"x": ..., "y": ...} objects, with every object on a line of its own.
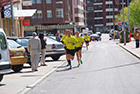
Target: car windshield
[
  {"x": 13, "y": 44},
  {"x": 3, "y": 41},
  {"x": 23, "y": 42}
]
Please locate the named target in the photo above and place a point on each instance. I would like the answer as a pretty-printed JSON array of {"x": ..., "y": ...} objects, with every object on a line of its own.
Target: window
[
  {"x": 108, "y": 6},
  {"x": 49, "y": 14},
  {"x": 34, "y": 16},
  {"x": 95, "y": 1},
  {"x": 109, "y": 13},
  {"x": 100, "y": 13},
  {"x": 59, "y": 12},
  {"x": 110, "y": 20},
  {"x": 89, "y": 1},
  {"x": 38, "y": 1},
  {"x": 100, "y": 20},
  {"x": 3, "y": 41},
  {"x": 100, "y": 6},
  {"x": 59, "y": 2},
  {"x": 90, "y": 7},
  {"x": 95, "y": 14},
  {"x": 90, "y": 22},
  {"x": 90, "y": 15},
  {"x": 48, "y": 1},
  {"x": 95, "y": 7},
  {"x": 39, "y": 14},
  {"x": 33, "y": 1}
]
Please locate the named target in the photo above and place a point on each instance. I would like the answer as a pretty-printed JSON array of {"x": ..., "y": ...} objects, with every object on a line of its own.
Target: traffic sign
[
  {"x": 119, "y": 22},
  {"x": 124, "y": 24},
  {"x": 119, "y": 27}
]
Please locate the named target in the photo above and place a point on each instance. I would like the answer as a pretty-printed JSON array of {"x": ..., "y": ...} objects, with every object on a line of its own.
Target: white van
[{"x": 5, "y": 64}]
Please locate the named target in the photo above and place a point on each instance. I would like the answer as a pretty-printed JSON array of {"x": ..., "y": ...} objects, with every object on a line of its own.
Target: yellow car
[{"x": 17, "y": 55}]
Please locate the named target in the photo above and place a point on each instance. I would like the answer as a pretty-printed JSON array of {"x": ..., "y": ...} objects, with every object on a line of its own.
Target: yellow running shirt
[
  {"x": 79, "y": 41},
  {"x": 63, "y": 38},
  {"x": 69, "y": 41},
  {"x": 87, "y": 38}
]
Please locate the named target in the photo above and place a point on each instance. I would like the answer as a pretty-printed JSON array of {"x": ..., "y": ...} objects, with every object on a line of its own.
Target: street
[{"x": 106, "y": 69}]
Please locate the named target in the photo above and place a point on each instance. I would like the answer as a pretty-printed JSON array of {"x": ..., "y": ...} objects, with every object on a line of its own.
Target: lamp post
[
  {"x": 123, "y": 29},
  {"x": 128, "y": 16},
  {"x": 13, "y": 30}
]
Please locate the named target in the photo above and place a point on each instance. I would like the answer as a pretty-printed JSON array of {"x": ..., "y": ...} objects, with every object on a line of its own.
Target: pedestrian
[
  {"x": 70, "y": 42},
  {"x": 43, "y": 49},
  {"x": 87, "y": 39},
  {"x": 79, "y": 48},
  {"x": 57, "y": 37},
  {"x": 137, "y": 37},
  {"x": 62, "y": 40},
  {"x": 34, "y": 47}
]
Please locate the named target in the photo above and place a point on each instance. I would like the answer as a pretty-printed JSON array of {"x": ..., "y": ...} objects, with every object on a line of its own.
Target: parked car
[
  {"x": 99, "y": 33},
  {"x": 18, "y": 55},
  {"x": 95, "y": 37},
  {"x": 5, "y": 64},
  {"x": 54, "y": 49}
]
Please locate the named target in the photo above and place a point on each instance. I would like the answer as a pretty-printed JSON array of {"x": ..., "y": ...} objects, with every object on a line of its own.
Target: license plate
[{"x": 18, "y": 53}]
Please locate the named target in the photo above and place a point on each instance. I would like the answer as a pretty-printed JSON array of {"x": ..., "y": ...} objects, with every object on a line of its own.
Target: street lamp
[
  {"x": 13, "y": 30},
  {"x": 128, "y": 16}
]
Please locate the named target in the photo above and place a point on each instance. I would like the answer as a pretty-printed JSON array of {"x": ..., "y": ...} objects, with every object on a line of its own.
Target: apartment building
[{"x": 102, "y": 13}]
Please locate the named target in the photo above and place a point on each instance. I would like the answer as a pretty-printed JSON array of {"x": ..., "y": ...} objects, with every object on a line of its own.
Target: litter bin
[{"x": 121, "y": 36}]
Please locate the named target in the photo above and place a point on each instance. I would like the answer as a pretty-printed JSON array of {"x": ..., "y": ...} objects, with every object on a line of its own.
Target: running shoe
[
  {"x": 78, "y": 65},
  {"x": 70, "y": 67},
  {"x": 81, "y": 61}
]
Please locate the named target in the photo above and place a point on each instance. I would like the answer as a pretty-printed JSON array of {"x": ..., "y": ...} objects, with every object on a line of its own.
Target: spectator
[
  {"x": 137, "y": 37},
  {"x": 57, "y": 37}
]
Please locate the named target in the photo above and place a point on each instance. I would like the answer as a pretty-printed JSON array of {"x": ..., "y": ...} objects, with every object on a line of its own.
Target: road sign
[
  {"x": 124, "y": 24},
  {"x": 119, "y": 22},
  {"x": 119, "y": 27}
]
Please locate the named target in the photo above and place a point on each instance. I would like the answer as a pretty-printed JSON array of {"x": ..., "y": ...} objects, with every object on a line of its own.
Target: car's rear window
[
  {"x": 13, "y": 44},
  {"x": 50, "y": 39},
  {"x": 23, "y": 42},
  {"x": 3, "y": 41}
]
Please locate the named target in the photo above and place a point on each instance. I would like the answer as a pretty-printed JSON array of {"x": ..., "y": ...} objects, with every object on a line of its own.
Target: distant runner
[
  {"x": 79, "y": 48},
  {"x": 69, "y": 42},
  {"x": 87, "y": 39}
]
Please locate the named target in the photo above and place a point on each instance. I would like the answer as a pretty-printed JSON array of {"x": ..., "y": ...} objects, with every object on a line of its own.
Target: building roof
[{"x": 7, "y": 2}]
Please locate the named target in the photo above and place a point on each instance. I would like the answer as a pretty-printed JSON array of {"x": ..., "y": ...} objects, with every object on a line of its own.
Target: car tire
[
  {"x": 17, "y": 68},
  {"x": 55, "y": 58},
  {"x": 1, "y": 77}
]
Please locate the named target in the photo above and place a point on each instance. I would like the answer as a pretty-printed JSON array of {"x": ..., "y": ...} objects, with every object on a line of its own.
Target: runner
[
  {"x": 78, "y": 48},
  {"x": 87, "y": 39},
  {"x": 70, "y": 42},
  {"x": 62, "y": 40}
]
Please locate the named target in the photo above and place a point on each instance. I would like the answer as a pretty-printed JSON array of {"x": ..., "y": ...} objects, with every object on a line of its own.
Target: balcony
[
  {"x": 99, "y": 25},
  {"x": 98, "y": 3},
  {"x": 98, "y": 17},
  {"x": 109, "y": 9},
  {"x": 109, "y": 2},
  {"x": 109, "y": 16},
  {"x": 115, "y": 9},
  {"x": 109, "y": 23},
  {"x": 98, "y": 10}
]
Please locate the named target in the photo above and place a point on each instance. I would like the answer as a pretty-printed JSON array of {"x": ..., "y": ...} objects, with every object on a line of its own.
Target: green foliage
[{"x": 134, "y": 12}]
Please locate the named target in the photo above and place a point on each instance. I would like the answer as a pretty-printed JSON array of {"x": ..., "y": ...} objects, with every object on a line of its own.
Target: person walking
[
  {"x": 43, "y": 49},
  {"x": 87, "y": 39},
  {"x": 34, "y": 47},
  {"x": 79, "y": 48},
  {"x": 137, "y": 37},
  {"x": 57, "y": 37},
  {"x": 69, "y": 43}
]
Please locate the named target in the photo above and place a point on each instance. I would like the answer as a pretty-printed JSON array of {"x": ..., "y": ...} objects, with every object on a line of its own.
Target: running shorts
[
  {"x": 78, "y": 49},
  {"x": 87, "y": 41},
  {"x": 71, "y": 52}
]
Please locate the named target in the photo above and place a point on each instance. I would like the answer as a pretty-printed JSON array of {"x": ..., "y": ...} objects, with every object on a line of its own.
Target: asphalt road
[{"x": 107, "y": 69}]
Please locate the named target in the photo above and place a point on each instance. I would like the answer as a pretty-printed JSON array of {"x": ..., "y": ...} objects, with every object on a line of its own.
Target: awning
[
  {"x": 7, "y": 2},
  {"x": 24, "y": 13}
]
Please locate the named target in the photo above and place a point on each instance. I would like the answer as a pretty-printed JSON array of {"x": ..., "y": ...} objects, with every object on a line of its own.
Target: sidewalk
[{"x": 130, "y": 47}]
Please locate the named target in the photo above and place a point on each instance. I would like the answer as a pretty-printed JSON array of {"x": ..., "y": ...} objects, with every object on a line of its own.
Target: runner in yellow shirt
[
  {"x": 87, "y": 39},
  {"x": 70, "y": 42},
  {"x": 79, "y": 48},
  {"x": 62, "y": 40}
]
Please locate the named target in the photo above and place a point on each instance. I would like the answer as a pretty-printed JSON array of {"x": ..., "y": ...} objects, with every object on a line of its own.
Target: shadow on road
[
  {"x": 2, "y": 84},
  {"x": 66, "y": 69}
]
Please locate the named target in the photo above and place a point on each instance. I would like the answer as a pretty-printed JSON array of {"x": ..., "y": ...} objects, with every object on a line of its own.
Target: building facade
[
  {"x": 57, "y": 12},
  {"x": 102, "y": 13}
]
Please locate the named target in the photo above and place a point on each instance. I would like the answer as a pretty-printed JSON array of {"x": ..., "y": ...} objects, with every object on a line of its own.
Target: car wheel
[
  {"x": 55, "y": 58},
  {"x": 17, "y": 68},
  {"x": 1, "y": 77}
]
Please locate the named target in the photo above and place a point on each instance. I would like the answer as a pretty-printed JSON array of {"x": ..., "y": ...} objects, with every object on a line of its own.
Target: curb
[
  {"x": 31, "y": 86},
  {"x": 136, "y": 55}
]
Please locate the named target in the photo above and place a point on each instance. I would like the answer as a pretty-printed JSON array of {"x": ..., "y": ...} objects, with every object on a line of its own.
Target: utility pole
[
  {"x": 13, "y": 30},
  {"x": 128, "y": 16},
  {"x": 123, "y": 29}
]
